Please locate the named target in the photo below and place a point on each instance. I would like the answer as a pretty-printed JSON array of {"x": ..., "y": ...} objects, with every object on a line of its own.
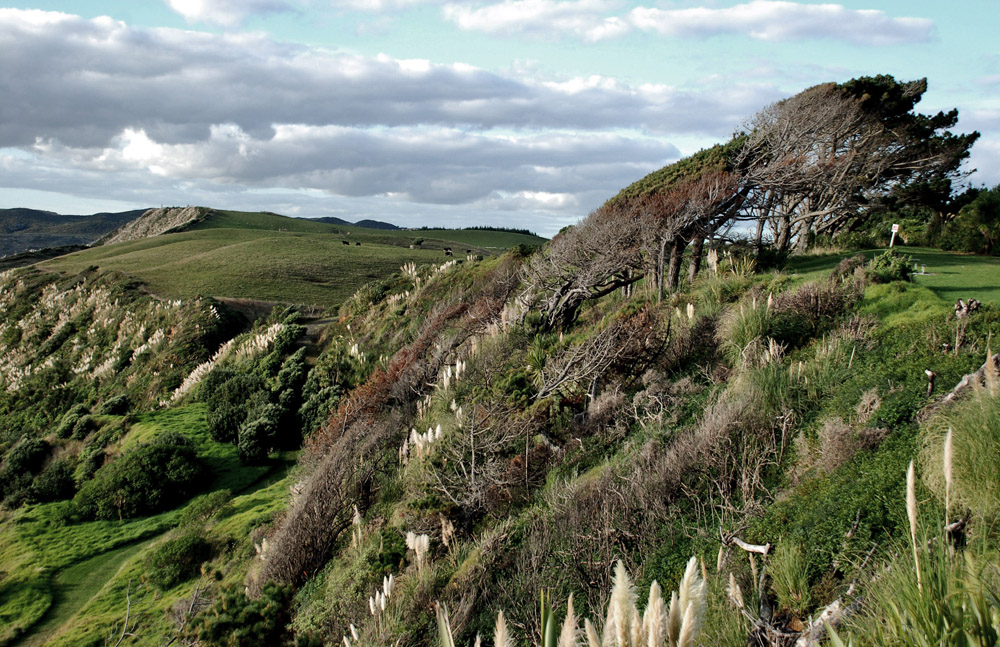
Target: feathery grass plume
[
  {"x": 911, "y": 513},
  {"x": 622, "y": 612},
  {"x": 718, "y": 560},
  {"x": 735, "y": 593},
  {"x": 674, "y": 618},
  {"x": 568, "y": 635},
  {"x": 654, "y": 618},
  {"x": 591, "y": 633},
  {"x": 502, "y": 637},
  {"x": 689, "y": 627},
  {"x": 948, "y": 455}
]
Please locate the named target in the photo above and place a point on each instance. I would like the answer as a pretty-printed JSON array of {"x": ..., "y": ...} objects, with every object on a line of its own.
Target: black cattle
[{"x": 345, "y": 242}]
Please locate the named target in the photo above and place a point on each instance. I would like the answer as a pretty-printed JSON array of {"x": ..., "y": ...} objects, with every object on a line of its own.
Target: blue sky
[{"x": 524, "y": 113}]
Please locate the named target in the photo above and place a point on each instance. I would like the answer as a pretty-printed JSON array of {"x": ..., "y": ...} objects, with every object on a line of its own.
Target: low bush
[
  {"x": 890, "y": 266},
  {"x": 236, "y": 620},
  {"x": 177, "y": 560},
  {"x": 147, "y": 479}
]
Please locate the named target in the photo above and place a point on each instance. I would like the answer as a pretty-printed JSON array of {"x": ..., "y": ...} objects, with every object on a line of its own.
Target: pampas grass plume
[
  {"x": 948, "y": 456},
  {"x": 911, "y": 513},
  {"x": 502, "y": 637},
  {"x": 567, "y": 637}
]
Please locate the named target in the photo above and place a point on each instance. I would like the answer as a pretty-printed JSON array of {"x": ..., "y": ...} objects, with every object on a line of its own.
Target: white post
[{"x": 892, "y": 239}]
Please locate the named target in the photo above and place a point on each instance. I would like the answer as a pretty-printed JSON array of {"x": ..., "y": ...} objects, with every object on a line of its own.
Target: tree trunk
[
  {"x": 676, "y": 256},
  {"x": 784, "y": 233},
  {"x": 758, "y": 235},
  {"x": 802, "y": 243},
  {"x": 697, "y": 245}
]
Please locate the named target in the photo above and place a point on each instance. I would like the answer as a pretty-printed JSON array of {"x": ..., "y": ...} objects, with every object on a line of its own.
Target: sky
[{"x": 516, "y": 113}]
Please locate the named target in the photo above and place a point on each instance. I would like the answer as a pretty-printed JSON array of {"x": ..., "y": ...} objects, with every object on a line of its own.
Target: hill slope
[
  {"x": 269, "y": 257},
  {"x": 27, "y": 229}
]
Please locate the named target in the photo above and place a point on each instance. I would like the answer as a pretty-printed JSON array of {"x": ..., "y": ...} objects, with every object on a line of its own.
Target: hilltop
[{"x": 181, "y": 253}]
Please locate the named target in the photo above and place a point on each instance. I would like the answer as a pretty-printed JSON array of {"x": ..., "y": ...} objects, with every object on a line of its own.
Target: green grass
[
  {"x": 47, "y": 561},
  {"x": 950, "y": 275},
  {"x": 273, "y": 258}
]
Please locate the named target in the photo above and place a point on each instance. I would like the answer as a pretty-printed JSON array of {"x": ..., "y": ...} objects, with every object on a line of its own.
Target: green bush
[
  {"x": 116, "y": 406},
  {"x": 55, "y": 482},
  {"x": 177, "y": 560},
  {"x": 26, "y": 457},
  {"x": 229, "y": 394},
  {"x": 890, "y": 266},
  {"x": 147, "y": 479},
  {"x": 236, "y": 620}
]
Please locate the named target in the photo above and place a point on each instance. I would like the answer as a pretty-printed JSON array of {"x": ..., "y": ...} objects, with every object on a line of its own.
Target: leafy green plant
[
  {"x": 890, "y": 266},
  {"x": 146, "y": 479},
  {"x": 790, "y": 578},
  {"x": 177, "y": 560}
]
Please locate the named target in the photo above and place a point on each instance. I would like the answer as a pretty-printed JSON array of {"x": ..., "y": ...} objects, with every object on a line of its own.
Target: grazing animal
[
  {"x": 345, "y": 242},
  {"x": 357, "y": 244},
  {"x": 447, "y": 252}
]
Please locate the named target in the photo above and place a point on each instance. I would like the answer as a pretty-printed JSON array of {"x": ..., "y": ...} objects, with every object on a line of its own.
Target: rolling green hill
[{"x": 268, "y": 257}]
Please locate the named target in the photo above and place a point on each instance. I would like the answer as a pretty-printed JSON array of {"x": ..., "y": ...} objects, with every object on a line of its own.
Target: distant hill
[
  {"x": 22, "y": 230},
  {"x": 367, "y": 224}
]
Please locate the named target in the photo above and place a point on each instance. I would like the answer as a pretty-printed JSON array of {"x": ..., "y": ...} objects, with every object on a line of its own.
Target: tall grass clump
[
  {"x": 940, "y": 598},
  {"x": 742, "y": 329},
  {"x": 674, "y": 623},
  {"x": 975, "y": 445}
]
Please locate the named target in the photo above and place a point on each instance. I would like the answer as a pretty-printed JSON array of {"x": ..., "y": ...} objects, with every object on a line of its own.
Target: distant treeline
[{"x": 509, "y": 230}]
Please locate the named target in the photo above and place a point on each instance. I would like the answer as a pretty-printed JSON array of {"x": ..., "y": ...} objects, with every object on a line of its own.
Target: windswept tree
[
  {"x": 815, "y": 161},
  {"x": 594, "y": 258}
]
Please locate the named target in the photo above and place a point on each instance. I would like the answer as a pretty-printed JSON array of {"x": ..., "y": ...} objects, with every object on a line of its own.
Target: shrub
[
  {"x": 177, "y": 560},
  {"x": 25, "y": 457},
  {"x": 890, "y": 266},
  {"x": 68, "y": 422},
  {"x": 116, "y": 406},
  {"x": 147, "y": 479},
  {"x": 55, "y": 482},
  {"x": 229, "y": 394},
  {"x": 236, "y": 620}
]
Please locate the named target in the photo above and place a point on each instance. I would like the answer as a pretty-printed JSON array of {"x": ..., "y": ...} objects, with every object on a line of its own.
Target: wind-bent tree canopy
[
  {"x": 815, "y": 161},
  {"x": 812, "y": 164}
]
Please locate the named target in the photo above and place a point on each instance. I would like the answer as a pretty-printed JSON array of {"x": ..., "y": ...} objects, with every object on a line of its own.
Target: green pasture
[{"x": 273, "y": 258}]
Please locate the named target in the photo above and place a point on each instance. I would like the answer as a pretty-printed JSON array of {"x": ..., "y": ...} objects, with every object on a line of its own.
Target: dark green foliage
[
  {"x": 25, "y": 457},
  {"x": 258, "y": 433},
  {"x": 68, "y": 422},
  {"x": 177, "y": 560},
  {"x": 977, "y": 227},
  {"x": 115, "y": 406},
  {"x": 228, "y": 401},
  {"x": 83, "y": 426},
  {"x": 236, "y": 620},
  {"x": 205, "y": 507},
  {"x": 890, "y": 266},
  {"x": 144, "y": 480},
  {"x": 55, "y": 482},
  {"x": 716, "y": 158}
]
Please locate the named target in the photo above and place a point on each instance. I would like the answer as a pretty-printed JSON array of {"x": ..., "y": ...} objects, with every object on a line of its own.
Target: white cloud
[
  {"x": 773, "y": 20},
  {"x": 584, "y": 19},
  {"x": 778, "y": 20},
  {"x": 228, "y": 13}
]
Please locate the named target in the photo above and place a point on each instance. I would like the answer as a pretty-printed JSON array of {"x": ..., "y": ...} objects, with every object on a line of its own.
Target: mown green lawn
[{"x": 951, "y": 276}]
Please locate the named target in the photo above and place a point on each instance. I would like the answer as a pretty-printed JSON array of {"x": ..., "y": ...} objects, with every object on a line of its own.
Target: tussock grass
[{"x": 975, "y": 425}]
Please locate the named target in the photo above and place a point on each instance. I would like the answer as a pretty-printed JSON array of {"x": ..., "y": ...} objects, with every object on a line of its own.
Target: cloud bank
[{"x": 161, "y": 108}]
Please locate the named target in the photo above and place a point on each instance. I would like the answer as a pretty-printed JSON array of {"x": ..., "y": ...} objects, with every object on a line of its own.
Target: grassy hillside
[
  {"x": 274, "y": 258},
  {"x": 448, "y": 437}
]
